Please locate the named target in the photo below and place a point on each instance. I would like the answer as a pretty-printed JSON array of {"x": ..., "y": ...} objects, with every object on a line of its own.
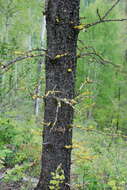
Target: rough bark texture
[{"x": 61, "y": 17}]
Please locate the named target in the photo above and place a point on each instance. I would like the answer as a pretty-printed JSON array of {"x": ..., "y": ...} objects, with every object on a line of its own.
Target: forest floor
[
  {"x": 7, "y": 186},
  {"x": 16, "y": 185},
  {"x": 10, "y": 186}
]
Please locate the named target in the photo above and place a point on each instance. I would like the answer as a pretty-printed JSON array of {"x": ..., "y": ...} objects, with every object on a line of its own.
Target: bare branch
[
  {"x": 94, "y": 54},
  {"x": 99, "y": 59},
  {"x": 82, "y": 18},
  {"x": 36, "y": 49},
  {"x": 7, "y": 65},
  {"x": 103, "y": 21},
  {"x": 99, "y": 14},
  {"x": 27, "y": 54},
  {"x": 110, "y": 9}
]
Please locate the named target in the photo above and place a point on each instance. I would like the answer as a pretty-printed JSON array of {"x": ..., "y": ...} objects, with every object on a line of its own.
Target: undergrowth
[{"x": 98, "y": 158}]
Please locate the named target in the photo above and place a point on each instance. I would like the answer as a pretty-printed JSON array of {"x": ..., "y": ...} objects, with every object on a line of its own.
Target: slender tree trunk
[
  {"x": 61, "y": 17},
  {"x": 118, "y": 114},
  {"x": 1, "y": 87},
  {"x": 40, "y": 63},
  {"x": 125, "y": 10}
]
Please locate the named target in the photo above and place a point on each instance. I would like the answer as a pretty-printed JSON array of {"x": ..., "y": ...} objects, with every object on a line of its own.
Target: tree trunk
[
  {"x": 40, "y": 63},
  {"x": 61, "y": 17},
  {"x": 125, "y": 8}
]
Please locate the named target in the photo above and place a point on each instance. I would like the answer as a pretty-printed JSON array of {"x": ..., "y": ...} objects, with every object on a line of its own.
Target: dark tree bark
[{"x": 61, "y": 17}]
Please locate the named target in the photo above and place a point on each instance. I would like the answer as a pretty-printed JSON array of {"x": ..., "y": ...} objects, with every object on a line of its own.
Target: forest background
[{"x": 100, "y": 132}]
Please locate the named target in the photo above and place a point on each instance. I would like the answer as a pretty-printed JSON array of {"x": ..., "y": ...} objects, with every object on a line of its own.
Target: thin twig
[
  {"x": 103, "y": 21},
  {"x": 102, "y": 60},
  {"x": 56, "y": 117},
  {"x": 5, "y": 66},
  {"x": 36, "y": 49},
  {"x": 109, "y": 10},
  {"x": 99, "y": 14}
]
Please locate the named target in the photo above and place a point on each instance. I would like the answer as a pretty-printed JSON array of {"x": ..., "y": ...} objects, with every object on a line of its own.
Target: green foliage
[
  {"x": 103, "y": 105},
  {"x": 15, "y": 174},
  {"x": 100, "y": 160},
  {"x": 20, "y": 148},
  {"x": 7, "y": 131},
  {"x": 57, "y": 178}
]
